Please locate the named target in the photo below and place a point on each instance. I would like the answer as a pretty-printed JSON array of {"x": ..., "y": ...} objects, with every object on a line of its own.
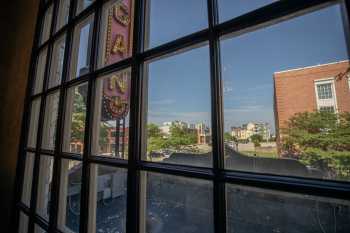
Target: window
[
  {"x": 324, "y": 91},
  {"x": 326, "y": 95},
  {"x": 327, "y": 109},
  {"x": 199, "y": 116}
]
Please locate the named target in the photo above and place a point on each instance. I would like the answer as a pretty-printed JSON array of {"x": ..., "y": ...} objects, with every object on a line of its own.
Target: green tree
[
  {"x": 153, "y": 131},
  {"x": 181, "y": 137},
  {"x": 321, "y": 139},
  {"x": 78, "y": 117},
  {"x": 229, "y": 137},
  {"x": 156, "y": 141},
  {"x": 256, "y": 139}
]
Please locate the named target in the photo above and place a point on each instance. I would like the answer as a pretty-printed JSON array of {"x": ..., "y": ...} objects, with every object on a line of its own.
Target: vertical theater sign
[{"x": 116, "y": 88}]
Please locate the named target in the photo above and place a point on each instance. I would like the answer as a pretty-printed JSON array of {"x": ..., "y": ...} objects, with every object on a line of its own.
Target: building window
[
  {"x": 324, "y": 91},
  {"x": 327, "y": 109},
  {"x": 186, "y": 116}
]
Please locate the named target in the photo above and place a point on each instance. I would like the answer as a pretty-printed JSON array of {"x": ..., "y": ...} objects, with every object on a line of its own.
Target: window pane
[
  {"x": 23, "y": 223},
  {"x": 80, "y": 59},
  {"x": 272, "y": 122},
  {"x": 40, "y": 71},
  {"x": 82, "y": 4},
  {"x": 229, "y": 9},
  {"x": 56, "y": 66},
  {"x": 179, "y": 109},
  {"x": 46, "y": 25},
  {"x": 33, "y": 123},
  {"x": 324, "y": 91},
  {"x": 39, "y": 229},
  {"x": 50, "y": 121},
  {"x": 169, "y": 20},
  {"x": 27, "y": 179},
  {"x": 44, "y": 186},
  {"x": 107, "y": 199},
  {"x": 111, "y": 115},
  {"x": 63, "y": 13},
  {"x": 176, "y": 204},
  {"x": 251, "y": 210},
  {"x": 69, "y": 201},
  {"x": 116, "y": 34},
  {"x": 75, "y": 116}
]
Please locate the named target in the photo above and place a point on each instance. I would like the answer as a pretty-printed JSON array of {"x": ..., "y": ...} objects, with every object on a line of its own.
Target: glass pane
[
  {"x": 107, "y": 199},
  {"x": 80, "y": 59},
  {"x": 271, "y": 110},
  {"x": 44, "y": 186},
  {"x": 169, "y": 20},
  {"x": 74, "y": 121},
  {"x": 111, "y": 115},
  {"x": 116, "y": 34},
  {"x": 82, "y": 4},
  {"x": 251, "y": 210},
  {"x": 23, "y": 223},
  {"x": 40, "y": 71},
  {"x": 38, "y": 229},
  {"x": 63, "y": 14},
  {"x": 27, "y": 179},
  {"x": 178, "y": 119},
  {"x": 176, "y": 204},
  {"x": 33, "y": 123},
  {"x": 229, "y": 9},
  {"x": 56, "y": 66},
  {"x": 50, "y": 121},
  {"x": 69, "y": 201},
  {"x": 46, "y": 25}
]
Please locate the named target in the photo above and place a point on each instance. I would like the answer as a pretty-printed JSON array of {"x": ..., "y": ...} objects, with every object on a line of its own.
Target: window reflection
[
  {"x": 117, "y": 32},
  {"x": 69, "y": 200},
  {"x": 46, "y": 25},
  {"x": 27, "y": 179},
  {"x": 176, "y": 204},
  {"x": 251, "y": 210},
  {"x": 286, "y": 99},
  {"x": 63, "y": 13},
  {"x": 178, "y": 117},
  {"x": 111, "y": 115},
  {"x": 81, "y": 50},
  {"x": 56, "y": 67},
  {"x": 229, "y": 9},
  {"x": 167, "y": 20},
  {"x": 33, "y": 123},
  {"x": 39, "y": 72},
  {"x": 82, "y": 4},
  {"x": 74, "y": 121},
  {"x": 38, "y": 229},
  {"x": 23, "y": 223},
  {"x": 107, "y": 199},
  {"x": 50, "y": 121},
  {"x": 44, "y": 186}
]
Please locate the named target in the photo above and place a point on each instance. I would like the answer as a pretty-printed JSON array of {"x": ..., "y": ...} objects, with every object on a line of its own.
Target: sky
[{"x": 179, "y": 86}]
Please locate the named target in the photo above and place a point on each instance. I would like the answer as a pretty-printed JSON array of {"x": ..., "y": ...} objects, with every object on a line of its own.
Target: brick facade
[{"x": 295, "y": 90}]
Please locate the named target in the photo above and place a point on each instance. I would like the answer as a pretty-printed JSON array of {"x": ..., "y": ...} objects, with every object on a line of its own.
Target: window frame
[
  {"x": 262, "y": 17},
  {"x": 326, "y": 102}
]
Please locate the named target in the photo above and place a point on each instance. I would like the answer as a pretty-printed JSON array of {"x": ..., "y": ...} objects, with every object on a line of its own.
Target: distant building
[
  {"x": 245, "y": 131},
  {"x": 323, "y": 87},
  {"x": 203, "y": 132}
]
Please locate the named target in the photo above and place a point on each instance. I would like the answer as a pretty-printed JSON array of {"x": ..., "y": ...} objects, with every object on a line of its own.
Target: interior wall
[{"x": 17, "y": 25}]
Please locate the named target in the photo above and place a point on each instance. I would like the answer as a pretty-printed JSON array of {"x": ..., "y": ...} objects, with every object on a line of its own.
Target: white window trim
[{"x": 334, "y": 94}]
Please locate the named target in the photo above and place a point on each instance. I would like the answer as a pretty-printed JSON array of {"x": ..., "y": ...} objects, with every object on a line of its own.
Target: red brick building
[{"x": 323, "y": 87}]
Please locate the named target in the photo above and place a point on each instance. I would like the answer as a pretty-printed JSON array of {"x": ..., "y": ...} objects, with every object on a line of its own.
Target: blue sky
[{"x": 179, "y": 86}]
